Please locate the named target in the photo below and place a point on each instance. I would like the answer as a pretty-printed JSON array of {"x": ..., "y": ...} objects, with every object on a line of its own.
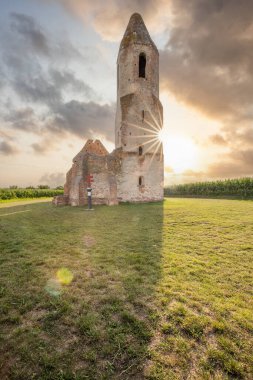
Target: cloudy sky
[{"x": 58, "y": 84}]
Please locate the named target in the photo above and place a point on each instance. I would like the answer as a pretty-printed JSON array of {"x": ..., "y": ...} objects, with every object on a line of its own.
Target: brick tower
[{"x": 139, "y": 116}]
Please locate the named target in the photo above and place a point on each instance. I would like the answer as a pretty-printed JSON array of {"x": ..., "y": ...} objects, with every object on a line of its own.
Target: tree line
[{"x": 234, "y": 188}]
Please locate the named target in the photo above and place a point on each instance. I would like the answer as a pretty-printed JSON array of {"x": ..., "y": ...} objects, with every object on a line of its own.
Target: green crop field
[
  {"x": 151, "y": 291},
  {"x": 240, "y": 188},
  {"x": 16, "y": 194}
]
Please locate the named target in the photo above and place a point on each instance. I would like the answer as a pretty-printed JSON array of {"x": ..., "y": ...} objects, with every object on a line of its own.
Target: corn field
[
  {"x": 234, "y": 188},
  {"x": 28, "y": 193}
]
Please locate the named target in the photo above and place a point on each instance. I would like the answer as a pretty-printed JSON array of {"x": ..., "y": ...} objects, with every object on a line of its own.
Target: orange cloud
[{"x": 110, "y": 18}]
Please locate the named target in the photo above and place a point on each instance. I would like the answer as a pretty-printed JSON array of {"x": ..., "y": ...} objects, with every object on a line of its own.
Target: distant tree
[
  {"x": 13, "y": 187},
  {"x": 59, "y": 188},
  {"x": 30, "y": 187},
  {"x": 43, "y": 187}
]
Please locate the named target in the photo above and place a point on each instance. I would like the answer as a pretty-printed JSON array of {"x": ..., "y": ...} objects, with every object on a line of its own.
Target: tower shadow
[{"x": 128, "y": 268}]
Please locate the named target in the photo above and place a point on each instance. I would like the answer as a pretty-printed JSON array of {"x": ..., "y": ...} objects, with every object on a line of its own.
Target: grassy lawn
[{"x": 152, "y": 291}]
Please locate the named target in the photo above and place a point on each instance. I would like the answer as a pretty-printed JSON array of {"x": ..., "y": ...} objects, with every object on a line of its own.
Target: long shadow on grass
[{"x": 125, "y": 257}]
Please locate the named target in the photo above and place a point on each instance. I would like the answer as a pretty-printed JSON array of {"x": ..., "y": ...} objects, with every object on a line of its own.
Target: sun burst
[
  {"x": 180, "y": 153},
  {"x": 153, "y": 141}
]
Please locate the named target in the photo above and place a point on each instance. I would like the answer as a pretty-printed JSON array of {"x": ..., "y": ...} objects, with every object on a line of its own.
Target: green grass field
[{"x": 152, "y": 291}]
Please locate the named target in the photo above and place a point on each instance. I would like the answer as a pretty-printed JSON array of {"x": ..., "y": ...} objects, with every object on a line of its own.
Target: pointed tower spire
[{"x": 136, "y": 33}]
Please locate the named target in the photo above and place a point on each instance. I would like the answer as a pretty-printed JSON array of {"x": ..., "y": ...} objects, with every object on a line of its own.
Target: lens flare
[
  {"x": 64, "y": 276},
  {"x": 53, "y": 287}
]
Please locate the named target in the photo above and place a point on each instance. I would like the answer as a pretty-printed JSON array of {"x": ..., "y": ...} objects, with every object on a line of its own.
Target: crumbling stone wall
[{"x": 95, "y": 160}]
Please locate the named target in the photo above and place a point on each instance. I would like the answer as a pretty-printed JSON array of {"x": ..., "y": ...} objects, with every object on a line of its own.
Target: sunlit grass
[
  {"x": 155, "y": 291},
  {"x": 5, "y": 202}
]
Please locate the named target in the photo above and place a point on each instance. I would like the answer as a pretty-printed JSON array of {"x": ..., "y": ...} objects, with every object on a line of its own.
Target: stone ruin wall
[{"x": 92, "y": 159}]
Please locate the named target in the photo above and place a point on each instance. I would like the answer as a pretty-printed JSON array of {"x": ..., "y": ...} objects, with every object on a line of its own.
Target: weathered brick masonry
[{"x": 134, "y": 170}]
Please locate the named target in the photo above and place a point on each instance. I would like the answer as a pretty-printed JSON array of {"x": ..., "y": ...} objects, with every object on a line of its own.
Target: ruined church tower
[
  {"x": 139, "y": 116},
  {"x": 133, "y": 172}
]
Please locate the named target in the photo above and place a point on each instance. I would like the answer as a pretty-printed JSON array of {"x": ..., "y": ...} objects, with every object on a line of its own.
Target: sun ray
[
  {"x": 161, "y": 153},
  {"x": 153, "y": 155},
  {"x": 152, "y": 145},
  {"x": 139, "y": 127},
  {"x": 145, "y": 143},
  {"x": 151, "y": 114},
  {"x": 143, "y": 136},
  {"x": 147, "y": 122},
  {"x": 152, "y": 125},
  {"x": 160, "y": 118}
]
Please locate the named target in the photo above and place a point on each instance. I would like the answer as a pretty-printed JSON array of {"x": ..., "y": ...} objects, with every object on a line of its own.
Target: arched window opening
[
  {"x": 142, "y": 115},
  {"x": 140, "y": 150},
  {"x": 141, "y": 181},
  {"x": 142, "y": 65}
]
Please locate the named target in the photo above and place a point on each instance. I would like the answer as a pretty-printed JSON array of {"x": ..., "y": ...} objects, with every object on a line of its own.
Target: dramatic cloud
[
  {"x": 21, "y": 119},
  {"x": 208, "y": 64},
  {"x": 109, "y": 18},
  {"x": 44, "y": 145},
  {"x": 84, "y": 119},
  {"x": 48, "y": 85},
  {"x": 33, "y": 62},
  {"x": 26, "y": 26},
  {"x": 229, "y": 170},
  {"x": 208, "y": 60},
  {"x": 217, "y": 139},
  {"x": 7, "y": 148},
  {"x": 41, "y": 147},
  {"x": 53, "y": 179},
  {"x": 31, "y": 37},
  {"x": 67, "y": 79},
  {"x": 245, "y": 136}
]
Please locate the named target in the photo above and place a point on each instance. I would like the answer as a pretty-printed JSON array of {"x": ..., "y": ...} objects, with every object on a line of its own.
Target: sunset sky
[{"x": 58, "y": 84}]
